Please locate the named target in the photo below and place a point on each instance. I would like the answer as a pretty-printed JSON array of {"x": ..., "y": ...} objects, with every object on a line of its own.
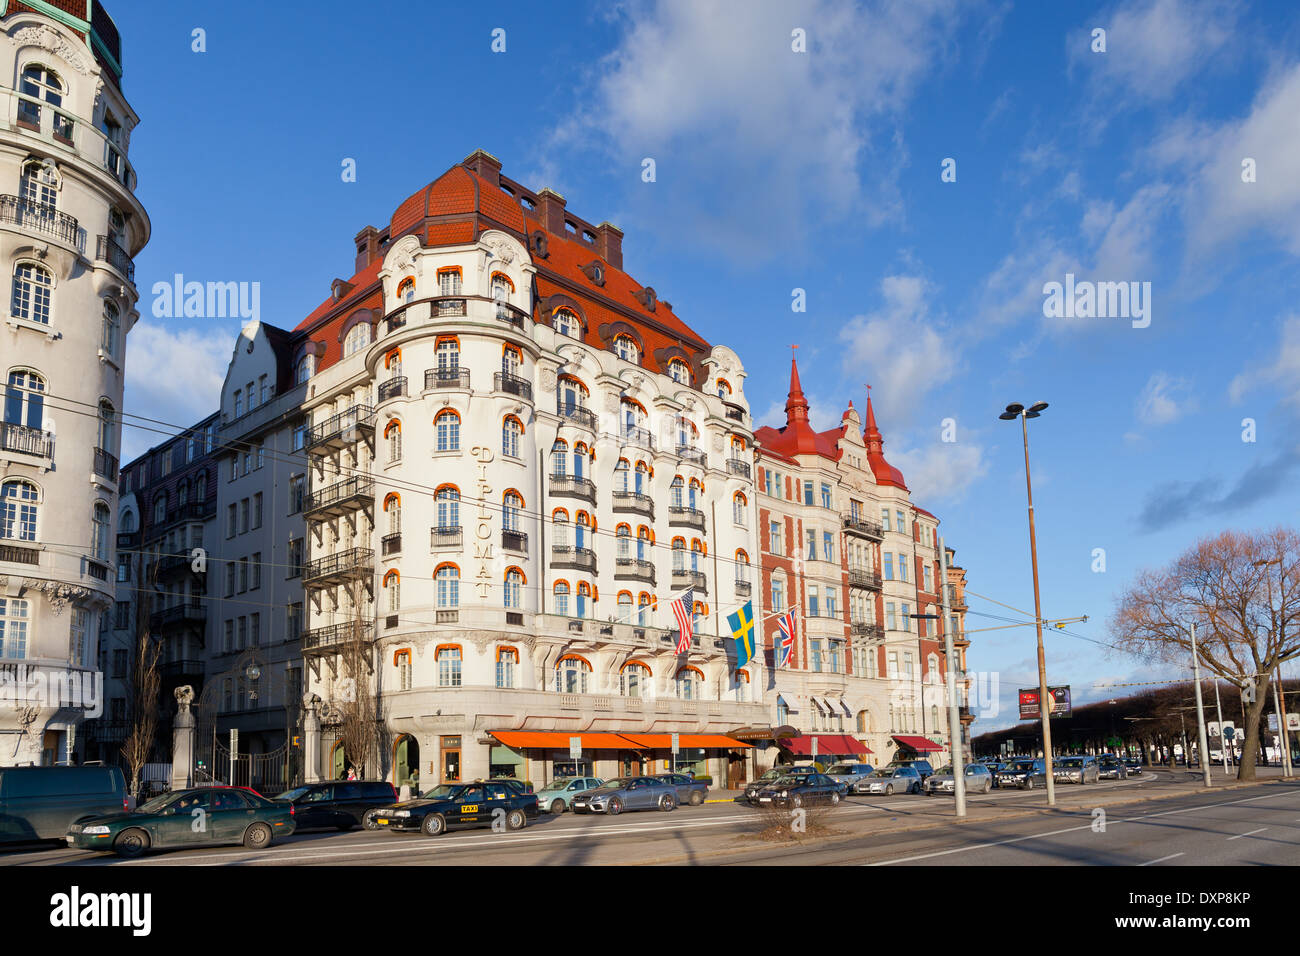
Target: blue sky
[{"x": 820, "y": 170}]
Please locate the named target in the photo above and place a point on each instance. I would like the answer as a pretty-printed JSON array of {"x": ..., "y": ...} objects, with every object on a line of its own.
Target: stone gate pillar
[
  {"x": 183, "y": 740},
  {"x": 311, "y": 740}
]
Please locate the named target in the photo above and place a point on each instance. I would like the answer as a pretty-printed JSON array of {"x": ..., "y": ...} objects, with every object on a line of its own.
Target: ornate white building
[{"x": 69, "y": 227}]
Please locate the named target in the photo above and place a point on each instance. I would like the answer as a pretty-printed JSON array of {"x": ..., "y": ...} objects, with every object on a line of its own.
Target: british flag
[
  {"x": 786, "y": 647},
  {"x": 683, "y": 610}
]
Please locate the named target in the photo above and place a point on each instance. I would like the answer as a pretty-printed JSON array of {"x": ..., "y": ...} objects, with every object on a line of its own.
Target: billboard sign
[{"x": 1059, "y": 697}]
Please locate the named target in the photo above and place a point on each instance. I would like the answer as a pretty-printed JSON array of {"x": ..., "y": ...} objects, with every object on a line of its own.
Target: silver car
[
  {"x": 689, "y": 790},
  {"x": 977, "y": 776},
  {"x": 626, "y": 793},
  {"x": 557, "y": 796},
  {"x": 890, "y": 780},
  {"x": 852, "y": 775},
  {"x": 1078, "y": 770}
]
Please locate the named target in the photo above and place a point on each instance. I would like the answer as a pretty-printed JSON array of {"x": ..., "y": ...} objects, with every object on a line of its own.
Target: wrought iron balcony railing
[
  {"x": 342, "y": 496},
  {"x": 26, "y": 440},
  {"x": 513, "y": 385},
  {"x": 859, "y": 578},
  {"x": 107, "y": 250},
  {"x": 579, "y": 559},
  {"x": 446, "y": 377},
  {"x": 635, "y": 502},
  {"x": 857, "y": 524},
  {"x": 105, "y": 465},
  {"x": 513, "y": 540},
  {"x": 578, "y": 415},
  {"x": 343, "y": 428},
  {"x": 39, "y": 216},
  {"x": 686, "y": 516},
  {"x": 573, "y": 487},
  {"x": 394, "y": 387},
  {"x": 637, "y": 569},
  {"x": 738, "y": 467},
  {"x": 692, "y": 454},
  {"x": 448, "y": 537}
]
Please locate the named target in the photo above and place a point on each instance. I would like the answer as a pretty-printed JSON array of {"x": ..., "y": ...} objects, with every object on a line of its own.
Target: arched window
[
  {"x": 560, "y": 458},
  {"x": 501, "y": 289},
  {"x": 633, "y": 679},
  {"x": 560, "y": 524},
  {"x": 448, "y": 666},
  {"x": 183, "y": 495},
  {"x": 742, "y": 686},
  {"x": 358, "y": 338},
  {"x": 566, "y": 323},
  {"x": 448, "y": 578},
  {"x": 19, "y": 510},
  {"x": 623, "y": 533},
  {"x": 448, "y": 499},
  {"x": 580, "y": 455},
  {"x": 643, "y": 475},
  {"x": 160, "y": 508},
  {"x": 393, "y": 508},
  {"x": 99, "y": 531},
  {"x": 643, "y": 604},
  {"x": 25, "y": 399},
  {"x": 449, "y": 285},
  {"x": 31, "y": 299},
  {"x": 447, "y": 426},
  {"x": 624, "y": 607},
  {"x": 507, "y": 661},
  {"x": 679, "y": 372},
  {"x": 571, "y": 675},
  {"x": 303, "y": 370},
  {"x": 864, "y": 721},
  {"x": 634, "y": 417},
  {"x": 932, "y": 669},
  {"x": 679, "y": 554},
  {"x": 561, "y": 592},
  {"x": 392, "y": 586},
  {"x": 201, "y": 488},
  {"x": 643, "y": 541},
  {"x": 107, "y": 427},
  {"x": 42, "y": 84},
  {"x": 694, "y": 491},
  {"x": 406, "y": 289},
  {"x": 572, "y": 394},
  {"x": 689, "y": 683},
  {"x": 738, "y": 506},
  {"x": 742, "y": 567},
  {"x": 393, "y": 432},
  {"x": 625, "y": 347},
  {"x": 512, "y": 360},
  {"x": 686, "y": 433},
  {"x": 448, "y": 353},
  {"x": 512, "y": 505},
  {"x": 514, "y": 587},
  {"x": 128, "y": 522},
  {"x": 112, "y": 329},
  {"x": 697, "y": 554},
  {"x": 512, "y": 429},
  {"x": 39, "y": 190},
  {"x": 581, "y": 530},
  {"x": 584, "y": 598},
  {"x": 724, "y": 389},
  {"x": 621, "y": 471},
  {"x": 675, "y": 491}
]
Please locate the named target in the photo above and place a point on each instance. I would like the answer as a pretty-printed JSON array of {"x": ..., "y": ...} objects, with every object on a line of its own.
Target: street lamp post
[
  {"x": 1200, "y": 713},
  {"x": 1283, "y": 738},
  {"x": 1013, "y": 412}
]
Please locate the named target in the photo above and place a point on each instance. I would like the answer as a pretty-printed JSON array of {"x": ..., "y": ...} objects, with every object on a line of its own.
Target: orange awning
[
  {"x": 553, "y": 740},
  {"x": 665, "y": 741}
]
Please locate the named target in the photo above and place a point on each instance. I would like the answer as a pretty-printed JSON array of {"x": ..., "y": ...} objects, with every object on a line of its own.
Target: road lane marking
[
  {"x": 1172, "y": 856},
  {"x": 1251, "y": 833}
]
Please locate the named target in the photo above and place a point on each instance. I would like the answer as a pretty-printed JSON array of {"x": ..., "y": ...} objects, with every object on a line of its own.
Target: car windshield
[
  {"x": 560, "y": 784},
  {"x": 1023, "y": 765},
  {"x": 1071, "y": 762},
  {"x": 791, "y": 780},
  {"x": 158, "y": 803},
  {"x": 618, "y": 783},
  {"x": 444, "y": 791},
  {"x": 842, "y": 768},
  {"x": 293, "y": 794},
  {"x": 883, "y": 773},
  {"x": 944, "y": 770}
]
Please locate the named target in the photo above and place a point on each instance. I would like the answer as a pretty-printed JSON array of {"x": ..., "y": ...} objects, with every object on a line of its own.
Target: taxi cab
[{"x": 478, "y": 804}]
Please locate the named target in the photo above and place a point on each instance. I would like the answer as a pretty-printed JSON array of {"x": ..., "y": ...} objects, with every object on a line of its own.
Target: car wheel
[
  {"x": 615, "y": 806},
  {"x": 889, "y": 789},
  {"x": 1029, "y": 783},
  {"x": 369, "y": 821},
  {"x": 835, "y": 799},
  {"x": 797, "y": 801},
  {"x": 666, "y": 802},
  {"x": 987, "y": 787},
  {"x": 257, "y": 837},
  {"x": 433, "y": 824},
  {"x": 557, "y": 806},
  {"x": 516, "y": 820},
  {"x": 696, "y": 798},
  {"x": 131, "y": 843}
]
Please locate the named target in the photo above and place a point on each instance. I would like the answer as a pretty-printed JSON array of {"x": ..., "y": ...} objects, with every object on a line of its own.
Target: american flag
[
  {"x": 683, "y": 609},
  {"x": 786, "y": 647}
]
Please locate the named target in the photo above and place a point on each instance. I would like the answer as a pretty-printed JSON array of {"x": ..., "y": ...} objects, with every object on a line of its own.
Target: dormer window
[
  {"x": 566, "y": 323},
  {"x": 358, "y": 338},
  {"x": 38, "y": 83},
  {"x": 303, "y": 370},
  {"x": 625, "y": 347},
  {"x": 678, "y": 372},
  {"x": 724, "y": 390},
  {"x": 406, "y": 290}
]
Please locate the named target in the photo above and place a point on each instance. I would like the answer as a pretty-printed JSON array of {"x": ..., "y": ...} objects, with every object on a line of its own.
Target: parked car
[
  {"x": 1078, "y": 769},
  {"x": 689, "y": 790},
  {"x": 852, "y": 775},
  {"x": 896, "y": 778},
  {"x": 1025, "y": 773},
  {"x": 922, "y": 767},
  {"x": 993, "y": 766},
  {"x": 770, "y": 776},
  {"x": 1110, "y": 767},
  {"x": 627, "y": 793},
  {"x": 976, "y": 775},
  {"x": 798, "y": 790},
  {"x": 460, "y": 805},
  {"x": 557, "y": 795},
  {"x": 198, "y": 816},
  {"x": 39, "y": 803},
  {"x": 343, "y": 804},
  {"x": 519, "y": 786},
  {"x": 1134, "y": 765}
]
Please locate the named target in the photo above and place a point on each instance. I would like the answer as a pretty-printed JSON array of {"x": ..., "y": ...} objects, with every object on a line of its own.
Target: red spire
[
  {"x": 886, "y": 474},
  {"x": 796, "y": 406},
  {"x": 871, "y": 434}
]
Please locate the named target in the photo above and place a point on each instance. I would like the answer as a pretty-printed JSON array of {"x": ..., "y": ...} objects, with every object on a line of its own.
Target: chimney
[
  {"x": 609, "y": 243},
  {"x": 550, "y": 206},
  {"x": 367, "y": 241},
  {"x": 485, "y": 164}
]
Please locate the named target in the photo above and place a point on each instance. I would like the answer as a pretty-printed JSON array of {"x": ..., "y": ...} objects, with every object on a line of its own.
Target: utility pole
[
  {"x": 1200, "y": 713},
  {"x": 1223, "y": 739},
  {"x": 1283, "y": 739},
  {"x": 954, "y": 711}
]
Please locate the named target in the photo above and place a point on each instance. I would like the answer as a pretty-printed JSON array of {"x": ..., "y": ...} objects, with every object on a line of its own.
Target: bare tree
[
  {"x": 146, "y": 681},
  {"x": 359, "y": 727},
  {"x": 1243, "y": 593}
]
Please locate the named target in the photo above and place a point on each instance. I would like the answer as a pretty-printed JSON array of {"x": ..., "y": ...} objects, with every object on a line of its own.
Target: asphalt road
[{"x": 1243, "y": 826}]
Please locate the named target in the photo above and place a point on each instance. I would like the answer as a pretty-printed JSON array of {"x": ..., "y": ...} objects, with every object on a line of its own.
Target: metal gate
[{"x": 268, "y": 773}]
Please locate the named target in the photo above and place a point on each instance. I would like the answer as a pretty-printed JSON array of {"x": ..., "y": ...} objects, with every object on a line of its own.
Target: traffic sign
[
  {"x": 1229, "y": 731},
  {"x": 575, "y": 748},
  {"x": 676, "y": 741},
  {"x": 1293, "y": 721}
]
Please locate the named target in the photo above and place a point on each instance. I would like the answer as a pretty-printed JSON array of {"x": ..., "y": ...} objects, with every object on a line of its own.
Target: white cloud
[
  {"x": 822, "y": 413},
  {"x": 941, "y": 472},
  {"x": 174, "y": 375},
  {"x": 1284, "y": 371},
  {"x": 1164, "y": 399}
]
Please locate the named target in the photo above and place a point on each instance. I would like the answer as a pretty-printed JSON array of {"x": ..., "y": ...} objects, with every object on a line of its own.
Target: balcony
[
  {"x": 446, "y": 377},
  {"x": 733, "y": 411},
  {"x": 859, "y": 578},
  {"x": 39, "y": 217},
  {"x": 178, "y": 616},
  {"x": 584, "y": 417},
  {"x": 512, "y": 385},
  {"x": 960, "y": 639},
  {"x": 634, "y": 502},
  {"x": 19, "y": 555},
  {"x": 25, "y": 440},
  {"x": 743, "y": 588},
  {"x": 515, "y": 318},
  {"x": 395, "y": 321},
  {"x": 175, "y": 670},
  {"x": 516, "y": 541},
  {"x": 390, "y": 544},
  {"x": 95, "y": 568},
  {"x": 335, "y": 569},
  {"x": 332, "y": 638},
  {"x": 447, "y": 617},
  {"x": 105, "y": 465},
  {"x": 690, "y": 579},
  {"x": 685, "y": 517},
  {"x": 695, "y": 456},
  {"x": 578, "y": 559},
  {"x": 342, "y": 429},
  {"x": 394, "y": 387},
  {"x": 348, "y": 495},
  {"x": 448, "y": 305},
  {"x": 168, "y": 566},
  {"x": 634, "y": 569},
  {"x": 107, "y": 250},
  {"x": 738, "y": 467},
  {"x": 640, "y": 437},
  {"x": 870, "y": 632},
  {"x": 565, "y": 486},
  {"x": 190, "y": 511},
  {"x": 856, "y": 524},
  {"x": 448, "y": 537}
]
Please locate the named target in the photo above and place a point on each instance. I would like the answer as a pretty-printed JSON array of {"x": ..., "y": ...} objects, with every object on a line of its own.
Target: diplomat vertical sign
[{"x": 483, "y": 522}]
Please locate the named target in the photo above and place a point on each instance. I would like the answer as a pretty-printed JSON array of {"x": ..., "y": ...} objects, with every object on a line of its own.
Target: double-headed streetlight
[{"x": 1013, "y": 412}]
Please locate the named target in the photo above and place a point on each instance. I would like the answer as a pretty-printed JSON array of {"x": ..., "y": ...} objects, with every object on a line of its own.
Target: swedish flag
[{"x": 742, "y": 629}]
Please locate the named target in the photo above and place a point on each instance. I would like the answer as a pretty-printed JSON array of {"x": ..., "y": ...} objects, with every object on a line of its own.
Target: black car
[
  {"x": 460, "y": 805},
  {"x": 1134, "y": 765},
  {"x": 923, "y": 767},
  {"x": 771, "y": 776},
  {"x": 993, "y": 766},
  {"x": 798, "y": 790},
  {"x": 1025, "y": 773},
  {"x": 340, "y": 803},
  {"x": 1110, "y": 767}
]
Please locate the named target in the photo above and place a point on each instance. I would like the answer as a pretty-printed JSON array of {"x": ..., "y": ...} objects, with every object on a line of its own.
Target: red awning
[
  {"x": 828, "y": 745},
  {"x": 665, "y": 741},
  {"x": 920, "y": 744},
  {"x": 550, "y": 740}
]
